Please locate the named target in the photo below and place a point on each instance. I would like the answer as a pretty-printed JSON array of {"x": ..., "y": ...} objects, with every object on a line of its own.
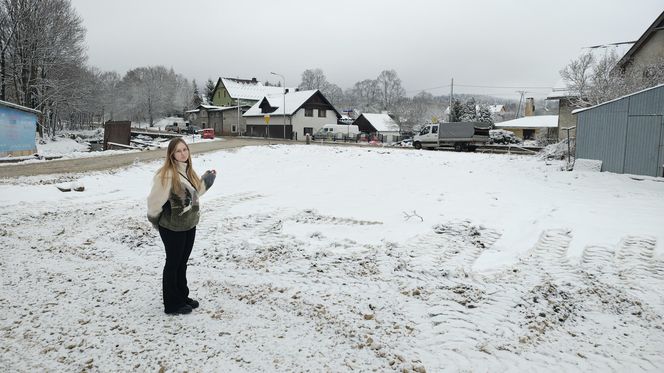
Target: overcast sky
[{"x": 510, "y": 43}]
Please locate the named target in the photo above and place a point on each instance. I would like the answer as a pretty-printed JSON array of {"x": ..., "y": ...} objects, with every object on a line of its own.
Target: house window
[
  {"x": 308, "y": 112},
  {"x": 309, "y": 130},
  {"x": 233, "y": 129},
  {"x": 322, "y": 113}
]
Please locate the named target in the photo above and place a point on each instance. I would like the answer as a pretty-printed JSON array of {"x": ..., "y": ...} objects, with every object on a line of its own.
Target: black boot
[
  {"x": 182, "y": 310},
  {"x": 192, "y": 303}
]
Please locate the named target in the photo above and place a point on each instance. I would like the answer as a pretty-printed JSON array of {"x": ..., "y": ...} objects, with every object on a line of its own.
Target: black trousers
[{"x": 178, "y": 247}]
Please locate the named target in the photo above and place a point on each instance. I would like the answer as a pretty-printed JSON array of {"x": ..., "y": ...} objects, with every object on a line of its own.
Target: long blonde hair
[{"x": 170, "y": 168}]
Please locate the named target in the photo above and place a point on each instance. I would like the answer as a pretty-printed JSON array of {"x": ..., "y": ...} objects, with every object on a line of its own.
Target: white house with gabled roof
[{"x": 305, "y": 112}]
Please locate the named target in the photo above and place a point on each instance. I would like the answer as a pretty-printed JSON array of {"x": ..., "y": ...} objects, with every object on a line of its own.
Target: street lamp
[{"x": 284, "y": 79}]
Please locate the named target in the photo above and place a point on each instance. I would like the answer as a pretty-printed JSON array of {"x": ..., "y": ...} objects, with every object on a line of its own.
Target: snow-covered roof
[
  {"x": 561, "y": 90},
  {"x": 537, "y": 121},
  {"x": 616, "y": 99},
  {"x": 294, "y": 100},
  {"x": 382, "y": 122},
  {"x": 210, "y": 107},
  {"x": 248, "y": 89},
  {"x": 19, "y": 107}
]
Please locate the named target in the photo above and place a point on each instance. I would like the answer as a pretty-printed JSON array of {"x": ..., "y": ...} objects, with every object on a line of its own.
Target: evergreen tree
[
  {"x": 456, "y": 111},
  {"x": 196, "y": 99},
  {"x": 484, "y": 115},
  {"x": 209, "y": 90},
  {"x": 469, "y": 111}
]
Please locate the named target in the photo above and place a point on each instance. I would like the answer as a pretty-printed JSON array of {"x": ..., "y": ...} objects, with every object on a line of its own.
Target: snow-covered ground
[{"x": 313, "y": 258}]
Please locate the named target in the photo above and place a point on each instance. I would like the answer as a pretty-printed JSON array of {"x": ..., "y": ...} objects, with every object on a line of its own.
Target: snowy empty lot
[{"x": 312, "y": 258}]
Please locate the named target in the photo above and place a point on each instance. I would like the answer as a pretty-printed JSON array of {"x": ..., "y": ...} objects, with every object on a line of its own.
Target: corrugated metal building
[
  {"x": 626, "y": 134},
  {"x": 18, "y": 125}
]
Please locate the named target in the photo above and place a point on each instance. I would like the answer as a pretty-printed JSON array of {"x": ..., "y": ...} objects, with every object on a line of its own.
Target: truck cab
[{"x": 427, "y": 137}]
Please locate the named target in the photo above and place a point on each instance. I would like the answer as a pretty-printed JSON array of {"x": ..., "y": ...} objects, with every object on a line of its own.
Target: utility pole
[
  {"x": 284, "y": 79},
  {"x": 518, "y": 109},
  {"x": 239, "y": 127},
  {"x": 451, "y": 99}
]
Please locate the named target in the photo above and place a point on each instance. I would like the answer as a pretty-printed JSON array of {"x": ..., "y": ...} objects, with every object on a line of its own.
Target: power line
[
  {"x": 480, "y": 86},
  {"x": 428, "y": 89},
  {"x": 510, "y": 87}
]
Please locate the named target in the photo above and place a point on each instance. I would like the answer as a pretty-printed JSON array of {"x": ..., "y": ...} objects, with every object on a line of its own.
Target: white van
[{"x": 336, "y": 131}]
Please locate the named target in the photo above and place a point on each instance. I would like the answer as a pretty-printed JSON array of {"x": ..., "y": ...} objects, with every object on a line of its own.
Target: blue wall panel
[{"x": 17, "y": 130}]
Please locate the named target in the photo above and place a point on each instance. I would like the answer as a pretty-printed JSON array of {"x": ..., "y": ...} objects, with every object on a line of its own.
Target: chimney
[
  {"x": 253, "y": 80},
  {"x": 530, "y": 107},
  {"x": 285, "y": 90}
]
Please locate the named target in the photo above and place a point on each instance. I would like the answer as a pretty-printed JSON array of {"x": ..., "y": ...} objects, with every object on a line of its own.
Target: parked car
[{"x": 191, "y": 129}]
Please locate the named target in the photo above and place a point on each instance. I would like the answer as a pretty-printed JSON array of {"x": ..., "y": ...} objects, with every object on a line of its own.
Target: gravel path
[{"x": 120, "y": 160}]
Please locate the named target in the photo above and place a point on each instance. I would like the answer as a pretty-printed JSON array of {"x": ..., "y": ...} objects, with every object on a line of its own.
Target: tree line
[{"x": 43, "y": 66}]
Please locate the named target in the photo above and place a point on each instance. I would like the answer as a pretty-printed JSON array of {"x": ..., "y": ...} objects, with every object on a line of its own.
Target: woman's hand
[{"x": 208, "y": 178}]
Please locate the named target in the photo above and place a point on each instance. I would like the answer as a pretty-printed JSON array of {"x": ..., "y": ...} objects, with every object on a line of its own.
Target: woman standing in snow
[{"x": 173, "y": 209}]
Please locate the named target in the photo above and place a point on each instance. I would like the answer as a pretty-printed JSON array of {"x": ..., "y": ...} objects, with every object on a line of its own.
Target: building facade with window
[
  {"x": 225, "y": 120},
  {"x": 305, "y": 112}
]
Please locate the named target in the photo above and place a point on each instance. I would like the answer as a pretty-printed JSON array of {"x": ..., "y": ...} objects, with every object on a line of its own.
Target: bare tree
[
  {"x": 592, "y": 80},
  {"x": 313, "y": 79},
  {"x": 364, "y": 94},
  {"x": 43, "y": 59},
  {"x": 153, "y": 92},
  {"x": 390, "y": 89}
]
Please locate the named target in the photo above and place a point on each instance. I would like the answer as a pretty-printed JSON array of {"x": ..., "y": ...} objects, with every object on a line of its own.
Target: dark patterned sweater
[{"x": 177, "y": 212}]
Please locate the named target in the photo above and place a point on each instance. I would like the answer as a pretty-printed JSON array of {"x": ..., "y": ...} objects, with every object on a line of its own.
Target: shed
[
  {"x": 381, "y": 125},
  {"x": 18, "y": 125},
  {"x": 626, "y": 134}
]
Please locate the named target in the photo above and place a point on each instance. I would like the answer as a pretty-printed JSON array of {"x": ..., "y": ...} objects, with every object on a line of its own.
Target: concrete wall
[{"x": 565, "y": 118}]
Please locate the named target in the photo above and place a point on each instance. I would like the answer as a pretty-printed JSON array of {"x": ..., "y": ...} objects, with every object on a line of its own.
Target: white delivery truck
[
  {"x": 466, "y": 136},
  {"x": 336, "y": 132}
]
